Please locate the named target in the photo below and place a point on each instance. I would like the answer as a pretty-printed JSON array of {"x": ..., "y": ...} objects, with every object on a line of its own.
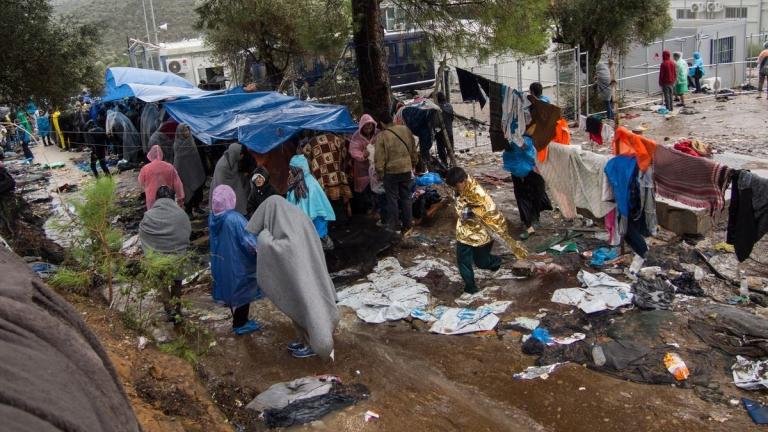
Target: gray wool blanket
[
  {"x": 291, "y": 270},
  {"x": 55, "y": 374},
  {"x": 165, "y": 228},
  {"x": 227, "y": 173}
]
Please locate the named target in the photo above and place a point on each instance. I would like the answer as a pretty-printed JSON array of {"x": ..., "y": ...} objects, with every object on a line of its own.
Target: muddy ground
[{"x": 423, "y": 381}]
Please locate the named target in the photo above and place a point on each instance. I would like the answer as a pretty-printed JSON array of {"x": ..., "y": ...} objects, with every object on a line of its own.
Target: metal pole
[
  {"x": 717, "y": 59},
  {"x": 577, "y": 80},
  {"x": 538, "y": 68},
  {"x": 587, "y": 87},
  {"x": 474, "y": 120},
  {"x": 647, "y": 77},
  {"x": 557, "y": 78},
  {"x": 520, "y": 74},
  {"x": 154, "y": 25},
  {"x": 146, "y": 23},
  {"x": 496, "y": 72}
]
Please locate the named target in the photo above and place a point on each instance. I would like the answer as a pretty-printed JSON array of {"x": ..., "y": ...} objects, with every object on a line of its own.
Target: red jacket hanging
[{"x": 667, "y": 70}]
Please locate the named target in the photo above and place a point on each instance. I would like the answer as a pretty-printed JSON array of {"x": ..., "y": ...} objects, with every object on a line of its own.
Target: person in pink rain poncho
[{"x": 158, "y": 173}]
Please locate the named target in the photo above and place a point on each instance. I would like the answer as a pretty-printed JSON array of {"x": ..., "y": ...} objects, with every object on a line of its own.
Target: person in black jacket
[
  {"x": 261, "y": 190},
  {"x": 97, "y": 140}
]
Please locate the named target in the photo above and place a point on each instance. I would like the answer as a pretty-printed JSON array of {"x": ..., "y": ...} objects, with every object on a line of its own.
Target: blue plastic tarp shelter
[
  {"x": 261, "y": 120},
  {"x": 148, "y": 85}
]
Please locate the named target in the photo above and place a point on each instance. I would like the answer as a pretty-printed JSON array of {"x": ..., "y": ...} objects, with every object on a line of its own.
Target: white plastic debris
[
  {"x": 533, "y": 372},
  {"x": 750, "y": 375},
  {"x": 370, "y": 415},
  {"x": 526, "y": 323},
  {"x": 601, "y": 292},
  {"x": 142, "y": 343}
]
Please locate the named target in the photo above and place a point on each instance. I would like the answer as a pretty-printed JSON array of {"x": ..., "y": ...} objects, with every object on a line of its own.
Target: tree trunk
[{"x": 373, "y": 75}]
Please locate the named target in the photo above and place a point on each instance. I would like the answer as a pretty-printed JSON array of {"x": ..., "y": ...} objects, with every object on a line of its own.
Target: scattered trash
[
  {"x": 66, "y": 187},
  {"x": 602, "y": 292},
  {"x": 758, "y": 413},
  {"x": 282, "y": 394},
  {"x": 750, "y": 375},
  {"x": 54, "y": 165},
  {"x": 131, "y": 247},
  {"x": 564, "y": 248},
  {"x": 601, "y": 255},
  {"x": 598, "y": 356},
  {"x": 582, "y": 388},
  {"x": 676, "y": 366},
  {"x": 533, "y": 372},
  {"x": 567, "y": 340},
  {"x": 310, "y": 409},
  {"x": 658, "y": 293},
  {"x": 687, "y": 284},
  {"x": 524, "y": 322},
  {"x": 453, "y": 321},
  {"x": 725, "y": 247},
  {"x": 542, "y": 335},
  {"x": 370, "y": 415},
  {"x": 429, "y": 179},
  {"x": 738, "y": 299},
  {"x": 43, "y": 269},
  {"x": 142, "y": 342}
]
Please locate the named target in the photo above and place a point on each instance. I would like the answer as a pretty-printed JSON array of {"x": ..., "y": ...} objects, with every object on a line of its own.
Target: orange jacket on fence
[
  {"x": 626, "y": 143},
  {"x": 562, "y": 136}
]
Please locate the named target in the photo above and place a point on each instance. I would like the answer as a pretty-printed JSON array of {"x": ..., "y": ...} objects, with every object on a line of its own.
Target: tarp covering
[
  {"x": 148, "y": 85},
  {"x": 261, "y": 120}
]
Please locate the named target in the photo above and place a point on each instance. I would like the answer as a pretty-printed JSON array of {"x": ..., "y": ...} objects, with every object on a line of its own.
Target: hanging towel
[
  {"x": 496, "y": 131},
  {"x": 512, "y": 115},
  {"x": 469, "y": 84},
  {"x": 544, "y": 118},
  {"x": 595, "y": 129},
  {"x": 694, "y": 181},
  {"x": 626, "y": 143}
]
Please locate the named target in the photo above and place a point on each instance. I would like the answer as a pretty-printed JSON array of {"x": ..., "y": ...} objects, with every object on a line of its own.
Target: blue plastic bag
[
  {"x": 429, "y": 179},
  {"x": 542, "y": 335},
  {"x": 601, "y": 255}
]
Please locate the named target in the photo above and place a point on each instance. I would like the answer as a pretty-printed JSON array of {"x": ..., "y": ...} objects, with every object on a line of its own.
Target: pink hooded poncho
[
  {"x": 158, "y": 173},
  {"x": 357, "y": 148},
  {"x": 223, "y": 199}
]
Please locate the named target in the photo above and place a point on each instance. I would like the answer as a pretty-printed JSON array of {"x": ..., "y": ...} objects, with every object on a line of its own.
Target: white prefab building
[
  {"x": 193, "y": 61},
  {"x": 722, "y": 46},
  {"x": 755, "y": 12}
]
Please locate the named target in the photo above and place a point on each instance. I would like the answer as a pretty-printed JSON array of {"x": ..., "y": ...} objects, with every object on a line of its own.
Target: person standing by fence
[
  {"x": 681, "y": 84},
  {"x": 667, "y": 78},
  {"x": 762, "y": 67}
]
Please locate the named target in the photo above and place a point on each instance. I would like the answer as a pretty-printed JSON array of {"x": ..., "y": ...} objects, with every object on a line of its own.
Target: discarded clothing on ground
[
  {"x": 576, "y": 179},
  {"x": 280, "y": 395},
  {"x": 747, "y": 213},
  {"x": 702, "y": 185},
  {"x": 388, "y": 295},
  {"x": 55, "y": 373},
  {"x": 687, "y": 284},
  {"x": 731, "y": 329},
  {"x": 750, "y": 375},
  {"x": 693, "y": 147},
  {"x": 314, "y": 408},
  {"x": 601, "y": 292},
  {"x": 292, "y": 273},
  {"x": 757, "y": 412},
  {"x": 657, "y": 293}
]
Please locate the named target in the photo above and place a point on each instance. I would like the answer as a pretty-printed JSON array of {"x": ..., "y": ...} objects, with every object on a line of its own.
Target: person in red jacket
[{"x": 667, "y": 78}]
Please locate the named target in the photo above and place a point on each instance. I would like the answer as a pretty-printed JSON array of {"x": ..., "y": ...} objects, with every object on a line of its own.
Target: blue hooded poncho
[
  {"x": 233, "y": 259},
  {"x": 697, "y": 64},
  {"x": 316, "y": 204}
]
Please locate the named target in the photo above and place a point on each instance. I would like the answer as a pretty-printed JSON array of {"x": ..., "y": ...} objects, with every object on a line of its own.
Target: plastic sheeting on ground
[
  {"x": 280, "y": 395},
  {"x": 148, "y": 85},
  {"x": 388, "y": 295},
  {"x": 601, "y": 292},
  {"x": 454, "y": 321},
  {"x": 750, "y": 375},
  {"x": 259, "y": 120}
]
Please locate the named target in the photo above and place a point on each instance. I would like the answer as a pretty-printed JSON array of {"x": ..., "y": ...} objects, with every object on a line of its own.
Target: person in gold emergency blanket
[{"x": 477, "y": 215}]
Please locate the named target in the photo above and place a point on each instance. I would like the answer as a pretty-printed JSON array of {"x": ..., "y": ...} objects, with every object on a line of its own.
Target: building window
[
  {"x": 685, "y": 14},
  {"x": 394, "y": 19},
  {"x": 722, "y": 50},
  {"x": 735, "y": 12}
]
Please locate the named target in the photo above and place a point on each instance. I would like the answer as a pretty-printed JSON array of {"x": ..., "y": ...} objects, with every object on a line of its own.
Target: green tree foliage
[
  {"x": 481, "y": 28},
  {"x": 44, "y": 58},
  {"x": 597, "y": 24},
  {"x": 274, "y": 33}
]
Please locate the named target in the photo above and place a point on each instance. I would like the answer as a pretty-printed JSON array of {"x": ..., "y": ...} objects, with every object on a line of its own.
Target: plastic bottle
[
  {"x": 598, "y": 356},
  {"x": 676, "y": 366}
]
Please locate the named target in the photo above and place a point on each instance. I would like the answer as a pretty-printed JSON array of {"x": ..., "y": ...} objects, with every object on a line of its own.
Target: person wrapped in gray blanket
[
  {"x": 292, "y": 273},
  {"x": 55, "y": 374}
]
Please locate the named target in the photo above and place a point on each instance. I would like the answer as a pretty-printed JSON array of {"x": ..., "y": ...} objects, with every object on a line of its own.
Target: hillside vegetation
[{"x": 121, "y": 19}]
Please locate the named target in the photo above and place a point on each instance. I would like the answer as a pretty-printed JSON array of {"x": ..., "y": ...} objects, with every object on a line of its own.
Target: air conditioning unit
[
  {"x": 714, "y": 7},
  {"x": 178, "y": 66},
  {"x": 697, "y": 7}
]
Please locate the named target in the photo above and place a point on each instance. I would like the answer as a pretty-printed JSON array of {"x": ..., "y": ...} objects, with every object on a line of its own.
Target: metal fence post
[
  {"x": 576, "y": 80},
  {"x": 520, "y": 74},
  {"x": 538, "y": 67},
  {"x": 496, "y": 72},
  {"x": 587, "y": 87},
  {"x": 557, "y": 78},
  {"x": 716, "y": 44}
]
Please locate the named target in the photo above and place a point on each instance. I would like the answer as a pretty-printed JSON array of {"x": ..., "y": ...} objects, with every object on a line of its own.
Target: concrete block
[{"x": 682, "y": 219}]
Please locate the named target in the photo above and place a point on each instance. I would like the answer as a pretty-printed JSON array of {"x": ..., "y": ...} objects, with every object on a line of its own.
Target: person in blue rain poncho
[
  {"x": 306, "y": 193},
  {"x": 696, "y": 71},
  {"x": 233, "y": 260}
]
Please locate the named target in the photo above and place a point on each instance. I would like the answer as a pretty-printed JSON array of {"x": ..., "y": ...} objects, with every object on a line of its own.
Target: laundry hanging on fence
[
  {"x": 748, "y": 212},
  {"x": 576, "y": 179},
  {"x": 473, "y": 87},
  {"x": 694, "y": 181},
  {"x": 495, "y": 129},
  {"x": 512, "y": 115},
  {"x": 544, "y": 118},
  {"x": 595, "y": 129},
  {"x": 627, "y": 143}
]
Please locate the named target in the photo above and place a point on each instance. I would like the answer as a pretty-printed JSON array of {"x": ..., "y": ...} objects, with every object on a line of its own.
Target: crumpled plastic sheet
[
  {"x": 602, "y": 292},
  {"x": 388, "y": 295},
  {"x": 533, "y": 372},
  {"x": 750, "y": 375},
  {"x": 454, "y": 321}
]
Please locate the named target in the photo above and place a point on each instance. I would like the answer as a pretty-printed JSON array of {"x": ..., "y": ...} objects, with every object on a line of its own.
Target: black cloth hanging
[
  {"x": 747, "y": 212},
  {"x": 470, "y": 86},
  {"x": 498, "y": 141}
]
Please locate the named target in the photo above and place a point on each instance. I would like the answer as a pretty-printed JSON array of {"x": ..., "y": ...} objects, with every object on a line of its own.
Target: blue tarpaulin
[
  {"x": 148, "y": 85},
  {"x": 261, "y": 120}
]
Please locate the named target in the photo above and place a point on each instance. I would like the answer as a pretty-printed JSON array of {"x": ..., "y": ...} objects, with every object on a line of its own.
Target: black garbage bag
[
  {"x": 655, "y": 294},
  {"x": 688, "y": 285},
  {"x": 314, "y": 408}
]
